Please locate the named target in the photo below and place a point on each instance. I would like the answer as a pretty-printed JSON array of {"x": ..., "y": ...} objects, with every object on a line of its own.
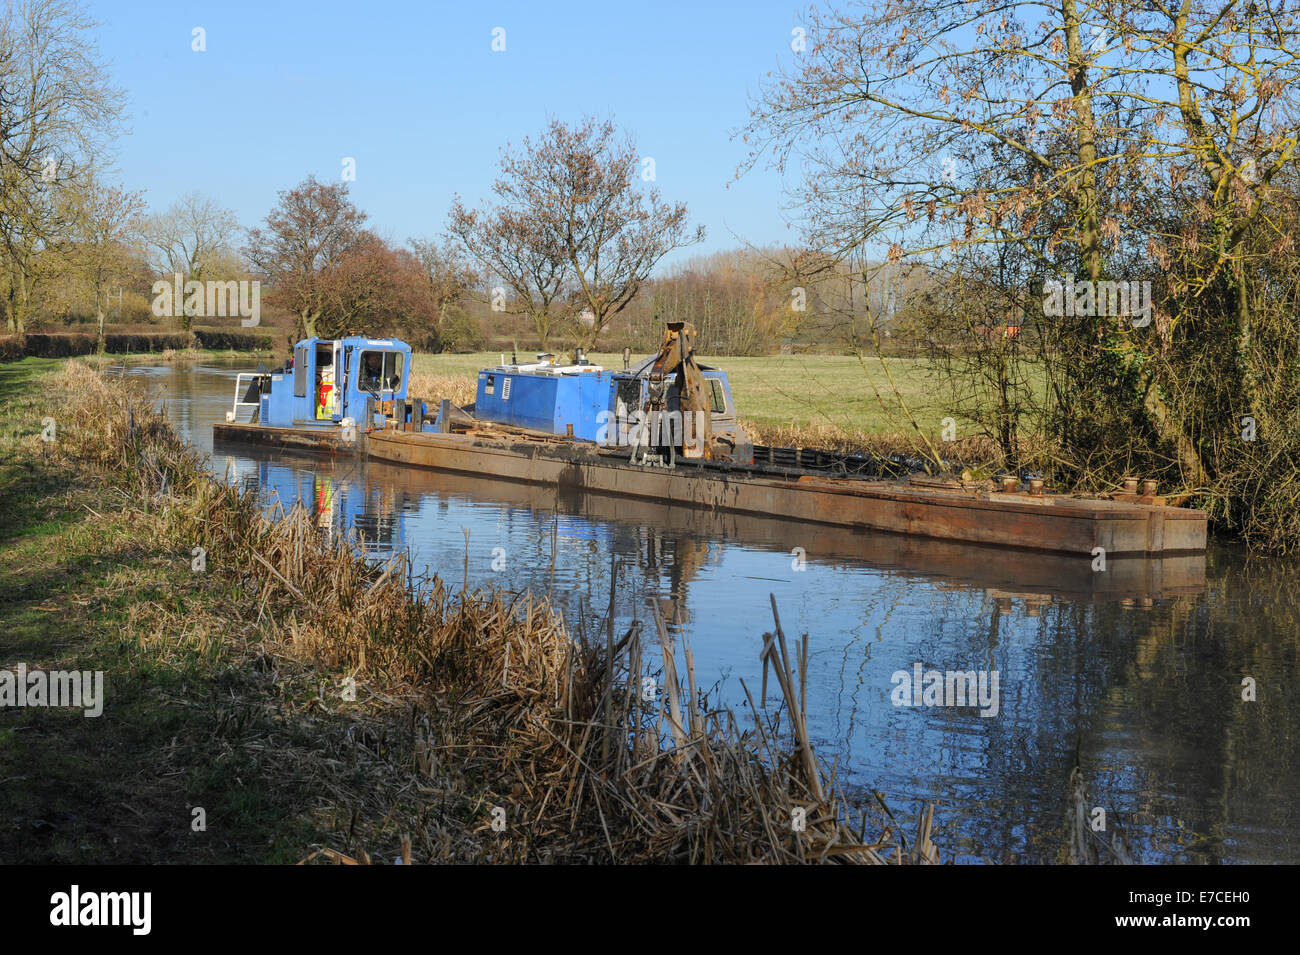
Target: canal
[{"x": 1136, "y": 673}]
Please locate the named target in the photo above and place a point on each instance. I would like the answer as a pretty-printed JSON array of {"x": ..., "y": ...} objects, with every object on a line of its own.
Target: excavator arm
[{"x": 677, "y": 356}]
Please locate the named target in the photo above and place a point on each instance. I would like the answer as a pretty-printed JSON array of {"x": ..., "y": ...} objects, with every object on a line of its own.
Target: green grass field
[
  {"x": 798, "y": 390},
  {"x": 18, "y": 377}
]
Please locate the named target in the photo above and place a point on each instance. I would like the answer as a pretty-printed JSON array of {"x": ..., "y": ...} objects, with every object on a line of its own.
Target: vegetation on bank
[
  {"x": 1120, "y": 189},
  {"x": 314, "y": 705}
]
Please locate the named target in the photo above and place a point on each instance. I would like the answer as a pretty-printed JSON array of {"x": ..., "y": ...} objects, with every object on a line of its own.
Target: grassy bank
[
  {"x": 95, "y": 581},
  {"x": 309, "y": 703}
]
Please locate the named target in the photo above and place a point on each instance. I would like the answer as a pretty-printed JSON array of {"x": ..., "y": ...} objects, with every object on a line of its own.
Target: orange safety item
[{"x": 324, "y": 407}]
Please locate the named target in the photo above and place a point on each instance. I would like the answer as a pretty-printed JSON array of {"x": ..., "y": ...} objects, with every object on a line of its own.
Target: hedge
[
  {"x": 218, "y": 339},
  {"x": 43, "y": 345}
]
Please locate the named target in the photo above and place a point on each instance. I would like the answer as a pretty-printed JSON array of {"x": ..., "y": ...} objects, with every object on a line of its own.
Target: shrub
[
  {"x": 460, "y": 332},
  {"x": 220, "y": 339}
]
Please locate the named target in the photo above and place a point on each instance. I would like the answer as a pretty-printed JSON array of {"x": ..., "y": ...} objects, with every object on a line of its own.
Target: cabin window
[
  {"x": 718, "y": 399},
  {"x": 380, "y": 371},
  {"x": 505, "y": 389},
  {"x": 300, "y": 372},
  {"x": 491, "y": 387}
]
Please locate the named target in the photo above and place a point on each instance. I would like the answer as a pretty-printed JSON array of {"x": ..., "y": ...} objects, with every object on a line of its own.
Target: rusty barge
[
  {"x": 566, "y": 426},
  {"x": 1056, "y": 523}
]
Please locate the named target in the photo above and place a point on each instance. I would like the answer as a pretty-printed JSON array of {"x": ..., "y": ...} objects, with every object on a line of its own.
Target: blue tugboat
[{"x": 329, "y": 384}]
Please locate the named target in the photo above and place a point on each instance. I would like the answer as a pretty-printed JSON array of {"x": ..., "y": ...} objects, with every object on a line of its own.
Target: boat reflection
[{"x": 372, "y": 498}]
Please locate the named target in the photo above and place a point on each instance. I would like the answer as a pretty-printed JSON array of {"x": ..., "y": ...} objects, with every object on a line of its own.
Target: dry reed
[
  {"x": 975, "y": 450},
  {"x": 540, "y": 740},
  {"x": 458, "y": 389}
]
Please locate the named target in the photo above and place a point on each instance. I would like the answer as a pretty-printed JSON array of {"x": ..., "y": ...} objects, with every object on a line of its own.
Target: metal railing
[{"x": 242, "y": 389}]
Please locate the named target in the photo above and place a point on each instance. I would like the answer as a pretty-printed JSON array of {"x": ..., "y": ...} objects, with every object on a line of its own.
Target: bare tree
[
  {"x": 313, "y": 226},
  {"x": 569, "y": 213},
  {"x": 580, "y": 184},
  {"x": 104, "y": 222},
  {"x": 509, "y": 248},
  {"x": 449, "y": 276},
  {"x": 57, "y": 112},
  {"x": 195, "y": 239},
  {"x": 373, "y": 289}
]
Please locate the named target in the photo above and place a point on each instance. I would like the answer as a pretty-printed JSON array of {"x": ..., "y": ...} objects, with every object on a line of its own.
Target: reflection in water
[{"x": 1135, "y": 672}]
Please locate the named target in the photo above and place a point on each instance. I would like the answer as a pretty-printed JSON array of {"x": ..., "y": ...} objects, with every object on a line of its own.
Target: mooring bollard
[{"x": 444, "y": 416}]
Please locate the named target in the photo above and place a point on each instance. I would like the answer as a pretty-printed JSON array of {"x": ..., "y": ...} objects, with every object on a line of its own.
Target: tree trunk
[
  {"x": 1166, "y": 426},
  {"x": 542, "y": 323},
  {"x": 1161, "y": 418},
  {"x": 307, "y": 323},
  {"x": 1086, "y": 144},
  {"x": 17, "y": 314}
]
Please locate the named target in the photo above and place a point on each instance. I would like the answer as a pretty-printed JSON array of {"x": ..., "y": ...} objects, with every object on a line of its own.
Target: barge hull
[
  {"x": 1053, "y": 524},
  {"x": 319, "y": 440},
  {"x": 1006, "y": 572}
]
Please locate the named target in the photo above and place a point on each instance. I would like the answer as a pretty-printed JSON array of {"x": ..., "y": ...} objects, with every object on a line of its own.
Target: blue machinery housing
[
  {"x": 560, "y": 402},
  {"x": 569, "y": 400}
]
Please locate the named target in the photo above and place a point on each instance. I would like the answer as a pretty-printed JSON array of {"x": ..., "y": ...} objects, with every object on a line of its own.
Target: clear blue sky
[{"x": 416, "y": 94}]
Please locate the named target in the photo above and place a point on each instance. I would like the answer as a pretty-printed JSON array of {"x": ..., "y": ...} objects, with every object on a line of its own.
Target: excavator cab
[{"x": 688, "y": 407}]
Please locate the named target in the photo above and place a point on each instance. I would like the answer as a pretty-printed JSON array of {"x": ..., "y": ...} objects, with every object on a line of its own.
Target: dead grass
[{"x": 432, "y": 388}]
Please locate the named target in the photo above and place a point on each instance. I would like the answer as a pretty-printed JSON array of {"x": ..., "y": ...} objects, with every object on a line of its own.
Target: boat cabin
[
  {"x": 363, "y": 382},
  {"x": 332, "y": 380}
]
